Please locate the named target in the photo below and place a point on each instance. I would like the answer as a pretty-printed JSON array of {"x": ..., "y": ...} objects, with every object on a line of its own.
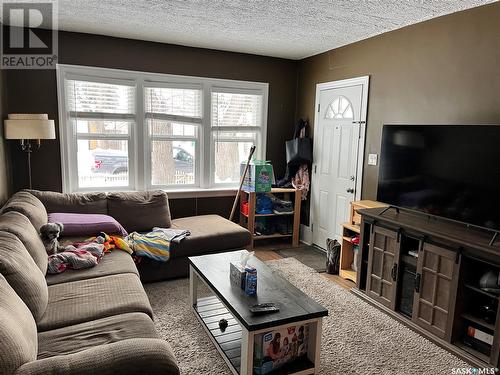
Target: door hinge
[
  {"x": 417, "y": 283},
  {"x": 319, "y": 106},
  {"x": 458, "y": 254},
  {"x": 398, "y": 236},
  {"x": 312, "y": 227},
  {"x": 315, "y": 168},
  {"x": 422, "y": 243},
  {"x": 394, "y": 272}
]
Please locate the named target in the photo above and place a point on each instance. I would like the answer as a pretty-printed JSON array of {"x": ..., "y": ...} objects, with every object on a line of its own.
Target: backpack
[{"x": 332, "y": 256}]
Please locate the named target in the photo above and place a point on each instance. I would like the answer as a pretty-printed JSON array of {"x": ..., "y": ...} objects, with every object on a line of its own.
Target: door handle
[
  {"x": 359, "y": 122},
  {"x": 394, "y": 272},
  {"x": 350, "y": 190},
  {"x": 417, "y": 283}
]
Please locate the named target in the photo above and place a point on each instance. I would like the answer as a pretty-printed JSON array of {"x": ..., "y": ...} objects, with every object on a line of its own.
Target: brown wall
[
  {"x": 35, "y": 90},
  {"x": 443, "y": 71},
  {"x": 201, "y": 206},
  {"x": 4, "y": 163}
]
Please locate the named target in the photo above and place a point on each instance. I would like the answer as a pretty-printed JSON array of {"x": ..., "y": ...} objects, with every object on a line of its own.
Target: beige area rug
[{"x": 357, "y": 338}]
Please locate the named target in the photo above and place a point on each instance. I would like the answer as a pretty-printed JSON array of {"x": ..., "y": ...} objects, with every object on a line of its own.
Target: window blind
[
  {"x": 173, "y": 101},
  {"x": 235, "y": 109},
  {"x": 86, "y": 96}
]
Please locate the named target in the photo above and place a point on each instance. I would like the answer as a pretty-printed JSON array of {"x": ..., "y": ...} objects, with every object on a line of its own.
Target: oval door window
[{"x": 340, "y": 108}]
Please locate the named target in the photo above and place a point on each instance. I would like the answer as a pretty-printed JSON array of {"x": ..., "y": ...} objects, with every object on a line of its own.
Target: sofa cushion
[
  {"x": 113, "y": 263},
  {"x": 87, "y": 335},
  {"x": 18, "y": 339},
  {"x": 86, "y": 300},
  {"x": 23, "y": 274},
  {"x": 140, "y": 210},
  {"x": 81, "y": 203},
  {"x": 209, "y": 234},
  {"x": 28, "y": 205},
  {"x": 19, "y": 225},
  {"x": 87, "y": 224},
  {"x": 126, "y": 357}
]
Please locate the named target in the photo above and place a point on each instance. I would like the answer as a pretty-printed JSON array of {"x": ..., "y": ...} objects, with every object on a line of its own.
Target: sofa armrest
[{"x": 131, "y": 356}]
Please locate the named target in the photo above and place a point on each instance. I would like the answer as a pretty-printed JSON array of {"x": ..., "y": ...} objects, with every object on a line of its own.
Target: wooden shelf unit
[
  {"x": 248, "y": 220},
  {"x": 351, "y": 229},
  {"x": 347, "y": 252}
]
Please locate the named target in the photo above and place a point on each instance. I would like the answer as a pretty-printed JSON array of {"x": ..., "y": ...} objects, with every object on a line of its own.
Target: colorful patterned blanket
[{"x": 156, "y": 244}]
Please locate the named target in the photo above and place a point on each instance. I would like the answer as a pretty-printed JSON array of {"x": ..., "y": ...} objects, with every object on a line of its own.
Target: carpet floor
[
  {"x": 309, "y": 255},
  {"x": 357, "y": 338}
]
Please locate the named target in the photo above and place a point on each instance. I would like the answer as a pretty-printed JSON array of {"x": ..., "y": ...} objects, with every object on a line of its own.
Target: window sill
[{"x": 200, "y": 193}]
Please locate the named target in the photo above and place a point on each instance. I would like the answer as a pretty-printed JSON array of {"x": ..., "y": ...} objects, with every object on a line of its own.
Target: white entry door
[{"x": 338, "y": 155}]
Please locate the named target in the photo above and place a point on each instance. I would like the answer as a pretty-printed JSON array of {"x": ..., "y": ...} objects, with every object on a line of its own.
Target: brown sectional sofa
[
  {"x": 98, "y": 320},
  {"x": 141, "y": 211}
]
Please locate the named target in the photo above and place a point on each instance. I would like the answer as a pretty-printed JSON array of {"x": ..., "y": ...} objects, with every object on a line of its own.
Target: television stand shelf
[
  {"x": 350, "y": 230},
  {"x": 433, "y": 285}
]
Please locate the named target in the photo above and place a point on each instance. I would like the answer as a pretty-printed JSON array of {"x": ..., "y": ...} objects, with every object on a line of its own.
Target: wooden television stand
[{"x": 424, "y": 271}]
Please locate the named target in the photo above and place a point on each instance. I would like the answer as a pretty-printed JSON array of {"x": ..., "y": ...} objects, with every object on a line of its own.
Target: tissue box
[{"x": 237, "y": 274}]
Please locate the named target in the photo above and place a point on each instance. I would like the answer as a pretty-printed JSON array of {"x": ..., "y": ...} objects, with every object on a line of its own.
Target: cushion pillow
[
  {"x": 19, "y": 225},
  {"x": 28, "y": 205},
  {"x": 80, "y": 203},
  {"x": 141, "y": 210},
  {"x": 23, "y": 275},
  {"x": 18, "y": 336},
  {"x": 87, "y": 224}
]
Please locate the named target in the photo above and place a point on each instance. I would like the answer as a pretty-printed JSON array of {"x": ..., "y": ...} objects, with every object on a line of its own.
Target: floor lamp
[{"x": 26, "y": 128}]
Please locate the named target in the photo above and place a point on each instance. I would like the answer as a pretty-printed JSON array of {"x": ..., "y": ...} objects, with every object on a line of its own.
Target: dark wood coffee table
[{"x": 236, "y": 343}]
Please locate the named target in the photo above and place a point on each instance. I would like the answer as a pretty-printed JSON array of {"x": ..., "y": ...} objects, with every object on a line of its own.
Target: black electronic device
[
  {"x": 264, "y": 308},
  {"x": 449, "y": 171}
]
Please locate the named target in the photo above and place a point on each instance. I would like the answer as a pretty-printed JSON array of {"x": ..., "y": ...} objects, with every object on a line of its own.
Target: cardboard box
[
  {"x": 274, "y": 349},
  {"x": 259, "y": 177}
]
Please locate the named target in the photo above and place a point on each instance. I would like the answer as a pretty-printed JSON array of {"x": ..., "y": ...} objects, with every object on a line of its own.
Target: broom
[{"x": 235, "y": 204}]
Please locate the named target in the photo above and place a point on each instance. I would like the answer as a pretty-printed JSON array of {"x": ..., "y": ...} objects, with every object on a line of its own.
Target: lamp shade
[{"x": 29, "y": 126}]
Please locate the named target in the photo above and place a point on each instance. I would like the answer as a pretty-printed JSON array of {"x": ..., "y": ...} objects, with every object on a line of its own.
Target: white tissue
[{"x": 245, "y": 257}]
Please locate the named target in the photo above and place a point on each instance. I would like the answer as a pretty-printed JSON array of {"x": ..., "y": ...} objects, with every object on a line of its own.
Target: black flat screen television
[{"x": 451, "y": 171}]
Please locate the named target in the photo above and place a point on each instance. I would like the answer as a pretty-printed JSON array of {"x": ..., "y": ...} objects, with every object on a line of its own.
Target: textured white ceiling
[{"x": 283, "y": 28}]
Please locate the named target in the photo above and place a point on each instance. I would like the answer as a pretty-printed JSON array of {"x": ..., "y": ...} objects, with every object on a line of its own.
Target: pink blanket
[{"x": 77, "y": 256}]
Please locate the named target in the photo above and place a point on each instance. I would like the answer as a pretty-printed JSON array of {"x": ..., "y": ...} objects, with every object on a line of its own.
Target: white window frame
[
  {"x": 148, "y": 138},
  {"x": 139, "y": 142}
]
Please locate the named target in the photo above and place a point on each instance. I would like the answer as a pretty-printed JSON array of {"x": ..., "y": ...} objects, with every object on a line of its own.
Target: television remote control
[{"x": 264, "y": 308}]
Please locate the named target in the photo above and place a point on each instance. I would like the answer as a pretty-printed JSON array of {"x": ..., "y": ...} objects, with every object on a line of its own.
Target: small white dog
[{"x": 50, "y": 237}]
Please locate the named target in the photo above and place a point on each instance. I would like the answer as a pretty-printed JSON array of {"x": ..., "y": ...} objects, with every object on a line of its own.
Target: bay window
[{"x": 131, "y": 130}]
